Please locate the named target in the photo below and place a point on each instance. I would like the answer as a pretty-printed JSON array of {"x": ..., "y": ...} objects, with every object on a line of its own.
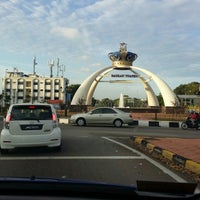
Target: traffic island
[{"x": 188, "y": 167}]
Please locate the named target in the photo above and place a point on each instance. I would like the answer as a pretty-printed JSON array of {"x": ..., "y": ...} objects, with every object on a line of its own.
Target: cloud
[
  {"x": 85, "y": 69},
  {"x": 69, "y": 33},
  {"x": 96, "y": 65},
  {"x": 84, "y": 57},
  {"x": 165, "y": 34}
]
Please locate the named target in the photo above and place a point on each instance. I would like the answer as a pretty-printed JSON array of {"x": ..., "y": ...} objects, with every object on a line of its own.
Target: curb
[
  {"x": 154, "y": 123},
  {"x": 175, "y": 158},
  {"x": 141, "y": 123}
]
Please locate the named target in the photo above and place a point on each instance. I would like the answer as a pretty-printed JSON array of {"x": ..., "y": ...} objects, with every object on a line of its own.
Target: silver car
[
  {"x": 30, "y": 125},
  {"x": 102, "y": 115}
]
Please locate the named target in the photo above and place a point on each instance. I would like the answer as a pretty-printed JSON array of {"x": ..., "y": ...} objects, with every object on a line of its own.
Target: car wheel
[
  {"x": 184, "y": 126},
  {"x": 118, "y": 123},
  {"x": 80, "y": 122}
]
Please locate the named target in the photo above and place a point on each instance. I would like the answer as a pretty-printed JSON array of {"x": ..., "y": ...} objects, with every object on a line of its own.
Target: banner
[{"x": 124, "y": 76}]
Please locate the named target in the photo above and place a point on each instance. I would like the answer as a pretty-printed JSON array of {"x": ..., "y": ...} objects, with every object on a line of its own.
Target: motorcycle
[{"x": 188, "y": 123}]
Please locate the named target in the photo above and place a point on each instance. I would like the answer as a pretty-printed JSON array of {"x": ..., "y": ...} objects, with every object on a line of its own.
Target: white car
[
  {"x": 30, "y": 125},
  {"x": 102, "y": 115}
]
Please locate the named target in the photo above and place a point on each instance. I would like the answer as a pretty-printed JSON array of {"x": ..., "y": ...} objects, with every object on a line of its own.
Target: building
[
  {"x": 189, "y": 100},
  {"x": 18, "y": 87}
]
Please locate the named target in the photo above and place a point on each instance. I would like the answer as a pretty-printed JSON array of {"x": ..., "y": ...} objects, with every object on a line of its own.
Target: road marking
[
  {"x": 71, "y": 158},
  {"x": 162, "y": 168}
]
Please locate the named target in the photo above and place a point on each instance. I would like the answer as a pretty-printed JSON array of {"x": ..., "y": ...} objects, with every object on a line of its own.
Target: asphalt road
[{"x": 94, "y": 153}]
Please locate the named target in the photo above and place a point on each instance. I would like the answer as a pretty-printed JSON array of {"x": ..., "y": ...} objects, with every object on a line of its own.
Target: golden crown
[{"x": 122, "y": 59}]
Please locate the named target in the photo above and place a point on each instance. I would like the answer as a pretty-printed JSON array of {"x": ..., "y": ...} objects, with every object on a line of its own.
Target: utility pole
[
  {"x": 34, "y": 64},
  {"x": 51, "y": 64},
  {"x": 58, "y": 67},
  {"x": 62, "y": 69}
]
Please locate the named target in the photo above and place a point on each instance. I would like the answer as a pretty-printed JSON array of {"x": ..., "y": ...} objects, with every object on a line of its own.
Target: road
[{"x": 94, "y": 153}]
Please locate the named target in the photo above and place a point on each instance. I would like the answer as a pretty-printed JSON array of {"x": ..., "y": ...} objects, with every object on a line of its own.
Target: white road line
[
  {"x": 70, "y": 158},
  {"x": 164, "y": 169}
]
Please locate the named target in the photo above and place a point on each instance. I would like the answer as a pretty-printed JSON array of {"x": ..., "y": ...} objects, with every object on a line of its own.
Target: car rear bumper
[{"x": 9, "y": 141}]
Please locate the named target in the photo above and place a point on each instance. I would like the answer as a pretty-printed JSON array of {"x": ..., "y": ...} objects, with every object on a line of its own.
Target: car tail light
[
  {"x": 7, "y": 122},
  {"x": 53, "y": 117},
  {"x": 54, "y": 120}
]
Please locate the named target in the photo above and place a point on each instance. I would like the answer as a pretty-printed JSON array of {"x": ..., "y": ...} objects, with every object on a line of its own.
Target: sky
[{"x": 165, "y": 34}]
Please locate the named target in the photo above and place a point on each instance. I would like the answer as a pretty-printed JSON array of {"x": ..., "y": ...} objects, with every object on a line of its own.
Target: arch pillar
[
  {"x": 151, "y": 97},
  {"x": 87, "y": 88},
  {"x": 170, "y": 99}
]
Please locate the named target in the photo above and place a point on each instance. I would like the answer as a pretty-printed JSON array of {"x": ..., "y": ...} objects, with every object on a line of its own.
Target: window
[
  {"x": 27, "y": 112},
  {"x": 28, "y": 83},
  {"x": 108, "y": 111},
  {"x": 48, "y": 83},
  {"x": 97, "y": 111}
]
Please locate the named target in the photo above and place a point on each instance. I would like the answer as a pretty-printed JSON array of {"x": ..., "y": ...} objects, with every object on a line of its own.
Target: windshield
[{"x": 132, "y": 68}]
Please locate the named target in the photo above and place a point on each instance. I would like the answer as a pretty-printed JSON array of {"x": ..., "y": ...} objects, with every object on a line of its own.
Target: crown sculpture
[{"x": 122, "y": 59}]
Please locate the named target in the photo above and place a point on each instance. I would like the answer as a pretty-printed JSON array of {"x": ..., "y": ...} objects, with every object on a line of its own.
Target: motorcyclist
[
  {"x": 192, "y": 121},
  {"x": 194, "y": 117}
]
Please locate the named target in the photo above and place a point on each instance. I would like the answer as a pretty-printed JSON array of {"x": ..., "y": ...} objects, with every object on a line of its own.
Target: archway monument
[{"x": 122, "y": 60}]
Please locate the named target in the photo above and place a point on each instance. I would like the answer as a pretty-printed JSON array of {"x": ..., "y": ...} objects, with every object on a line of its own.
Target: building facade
[
  {"x": 18, "y": 87},
  {"x": 189, "y": 100}
]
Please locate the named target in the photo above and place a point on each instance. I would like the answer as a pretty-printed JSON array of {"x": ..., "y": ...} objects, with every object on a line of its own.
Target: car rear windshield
[{"x": 31, "y": 112}]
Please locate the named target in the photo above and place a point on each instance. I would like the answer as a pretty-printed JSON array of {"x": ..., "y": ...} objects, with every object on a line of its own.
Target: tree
[
  {"x": 160, "y": 100},
  {"x": 106, "y": 102},
  {"x": 188, "y": 89},
  {"x": 94, "y": 101},
  {"x": 72, "y": 89}
]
